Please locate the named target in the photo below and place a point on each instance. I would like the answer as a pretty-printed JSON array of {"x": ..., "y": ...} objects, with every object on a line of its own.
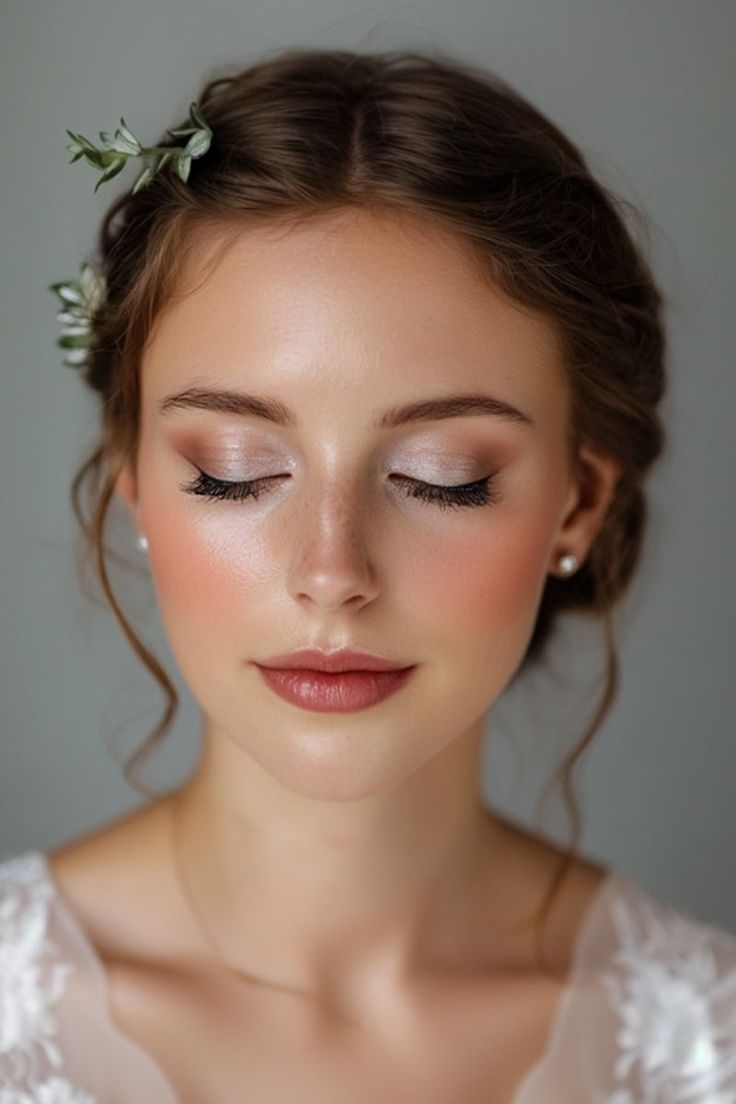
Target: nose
[{"x": 332, "y": 564}]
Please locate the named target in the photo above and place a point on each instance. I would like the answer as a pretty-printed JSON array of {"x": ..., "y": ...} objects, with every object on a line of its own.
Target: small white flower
[{"x": 80, "y": 300}]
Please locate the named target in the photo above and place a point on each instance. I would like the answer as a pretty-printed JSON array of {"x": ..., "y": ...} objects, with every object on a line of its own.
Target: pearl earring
[
  {"x": 142, "y": 542},
  {"x": 568, "y": 563}
]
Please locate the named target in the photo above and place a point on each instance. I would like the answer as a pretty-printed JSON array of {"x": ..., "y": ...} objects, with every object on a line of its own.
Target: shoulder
[
  {"x": 669, "y": 981},
  {"x": 33, "y": 978},
  {"x": 117, "y": 882}
]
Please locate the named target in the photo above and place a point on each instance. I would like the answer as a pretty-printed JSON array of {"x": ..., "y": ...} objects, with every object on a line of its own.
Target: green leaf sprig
[{"x": 116, "y": 149}]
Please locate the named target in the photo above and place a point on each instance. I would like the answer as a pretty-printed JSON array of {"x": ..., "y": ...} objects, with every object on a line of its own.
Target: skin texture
[{"x": 348, "y": 855}]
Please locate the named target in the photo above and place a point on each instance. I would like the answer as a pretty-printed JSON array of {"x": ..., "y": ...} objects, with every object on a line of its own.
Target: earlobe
[{"x": 590, "y": 496}]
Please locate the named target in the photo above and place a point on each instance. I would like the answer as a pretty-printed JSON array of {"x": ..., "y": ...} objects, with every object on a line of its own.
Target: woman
[{"x": 379, "y": 365}]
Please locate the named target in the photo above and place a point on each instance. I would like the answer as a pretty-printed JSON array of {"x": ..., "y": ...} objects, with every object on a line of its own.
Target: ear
[
  {"x": 126, "y": 486},
  {"x": 592, "y": 488}
]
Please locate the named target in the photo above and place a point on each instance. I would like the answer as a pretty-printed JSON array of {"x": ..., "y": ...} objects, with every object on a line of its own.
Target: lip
[
  {"x": 334, "y": 692},
  {"x": 344, "y": 659}
]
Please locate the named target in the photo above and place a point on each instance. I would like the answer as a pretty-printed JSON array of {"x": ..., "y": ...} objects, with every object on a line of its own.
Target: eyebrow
[{"x": 273, "y": 410}]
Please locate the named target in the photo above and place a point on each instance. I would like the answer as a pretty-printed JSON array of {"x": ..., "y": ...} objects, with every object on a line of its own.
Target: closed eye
[{"x": 482, "y": 492}]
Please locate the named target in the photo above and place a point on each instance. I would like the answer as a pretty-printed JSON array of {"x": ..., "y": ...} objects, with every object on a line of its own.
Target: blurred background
[{"x": 646, "y": 90}]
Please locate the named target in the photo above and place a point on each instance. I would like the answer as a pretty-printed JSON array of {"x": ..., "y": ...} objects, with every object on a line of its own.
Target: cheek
[
  {"x": 483, "y": 592},
  {"x": 204, "y": 578},
  {"x": 480, "y": 574},
  {"x": 487, "y": 582}
]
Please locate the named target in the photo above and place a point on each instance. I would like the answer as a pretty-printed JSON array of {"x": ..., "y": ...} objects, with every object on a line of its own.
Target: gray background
[{"x": 646, "y": 90}]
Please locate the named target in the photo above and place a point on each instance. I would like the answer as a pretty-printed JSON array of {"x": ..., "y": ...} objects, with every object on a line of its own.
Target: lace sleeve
[
  {"x": 33, "y": 978},
  {"x": 649, "y": 1016},
  {"x": 672, "y": 987}
]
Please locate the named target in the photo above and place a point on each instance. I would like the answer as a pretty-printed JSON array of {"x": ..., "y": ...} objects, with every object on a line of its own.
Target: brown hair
[{"x": 312, "y": 131}]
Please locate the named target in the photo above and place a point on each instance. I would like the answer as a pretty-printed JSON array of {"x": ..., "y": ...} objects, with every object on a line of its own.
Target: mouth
[{"x": 346, "y": 691}]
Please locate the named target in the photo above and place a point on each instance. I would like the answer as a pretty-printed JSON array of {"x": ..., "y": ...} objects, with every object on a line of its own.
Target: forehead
[{"x": 348, "y": 305}]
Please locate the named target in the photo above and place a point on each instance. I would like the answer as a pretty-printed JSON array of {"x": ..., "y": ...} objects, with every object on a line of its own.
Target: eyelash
[{"x": 480, "y": 493}]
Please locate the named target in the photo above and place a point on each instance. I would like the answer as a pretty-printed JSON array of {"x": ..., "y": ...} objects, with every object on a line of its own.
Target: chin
[{"x": 337, "y": 765}]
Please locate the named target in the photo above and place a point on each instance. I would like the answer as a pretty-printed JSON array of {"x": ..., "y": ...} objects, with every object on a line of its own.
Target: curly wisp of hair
[{"x": 310, "y": 132}]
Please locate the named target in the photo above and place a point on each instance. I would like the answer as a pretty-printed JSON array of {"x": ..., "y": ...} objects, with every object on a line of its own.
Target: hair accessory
[
  {"x": 82, "y": 297},
  {"x": 116, "y": 150},
  {"x": 568, "y": 563},
  {"x": 142, "y": 542}
]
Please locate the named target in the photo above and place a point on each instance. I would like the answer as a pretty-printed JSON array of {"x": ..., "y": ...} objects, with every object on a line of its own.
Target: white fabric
[{"x": 648, "y": 1015}]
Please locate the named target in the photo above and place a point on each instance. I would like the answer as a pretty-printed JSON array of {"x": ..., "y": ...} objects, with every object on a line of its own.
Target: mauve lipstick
[{"x": 342, "y": 681}]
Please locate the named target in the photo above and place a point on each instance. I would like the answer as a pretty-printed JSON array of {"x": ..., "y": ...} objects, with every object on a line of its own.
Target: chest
[{"x": 217, "y": 1040}]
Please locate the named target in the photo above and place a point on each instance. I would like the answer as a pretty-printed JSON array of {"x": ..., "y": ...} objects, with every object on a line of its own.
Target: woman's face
[{"x": 341, "y": 324}]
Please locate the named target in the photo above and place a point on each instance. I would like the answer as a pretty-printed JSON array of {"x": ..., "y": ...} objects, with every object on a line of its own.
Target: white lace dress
[{"x": 648, "y": 1015}]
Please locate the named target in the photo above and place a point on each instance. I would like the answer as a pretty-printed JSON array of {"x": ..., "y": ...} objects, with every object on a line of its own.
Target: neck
[{"x": 318, "y": 894}]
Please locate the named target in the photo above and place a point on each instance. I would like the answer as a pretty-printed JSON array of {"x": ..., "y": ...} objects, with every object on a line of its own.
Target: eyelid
[
  {"x": 455, "y": 478},
  {"x": 475, "y": 493}
]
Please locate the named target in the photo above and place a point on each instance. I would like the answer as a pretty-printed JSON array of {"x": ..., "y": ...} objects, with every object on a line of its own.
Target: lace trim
[
  {"x": 676, "y": 1007},
  {"x": 32, "y": 983}
]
